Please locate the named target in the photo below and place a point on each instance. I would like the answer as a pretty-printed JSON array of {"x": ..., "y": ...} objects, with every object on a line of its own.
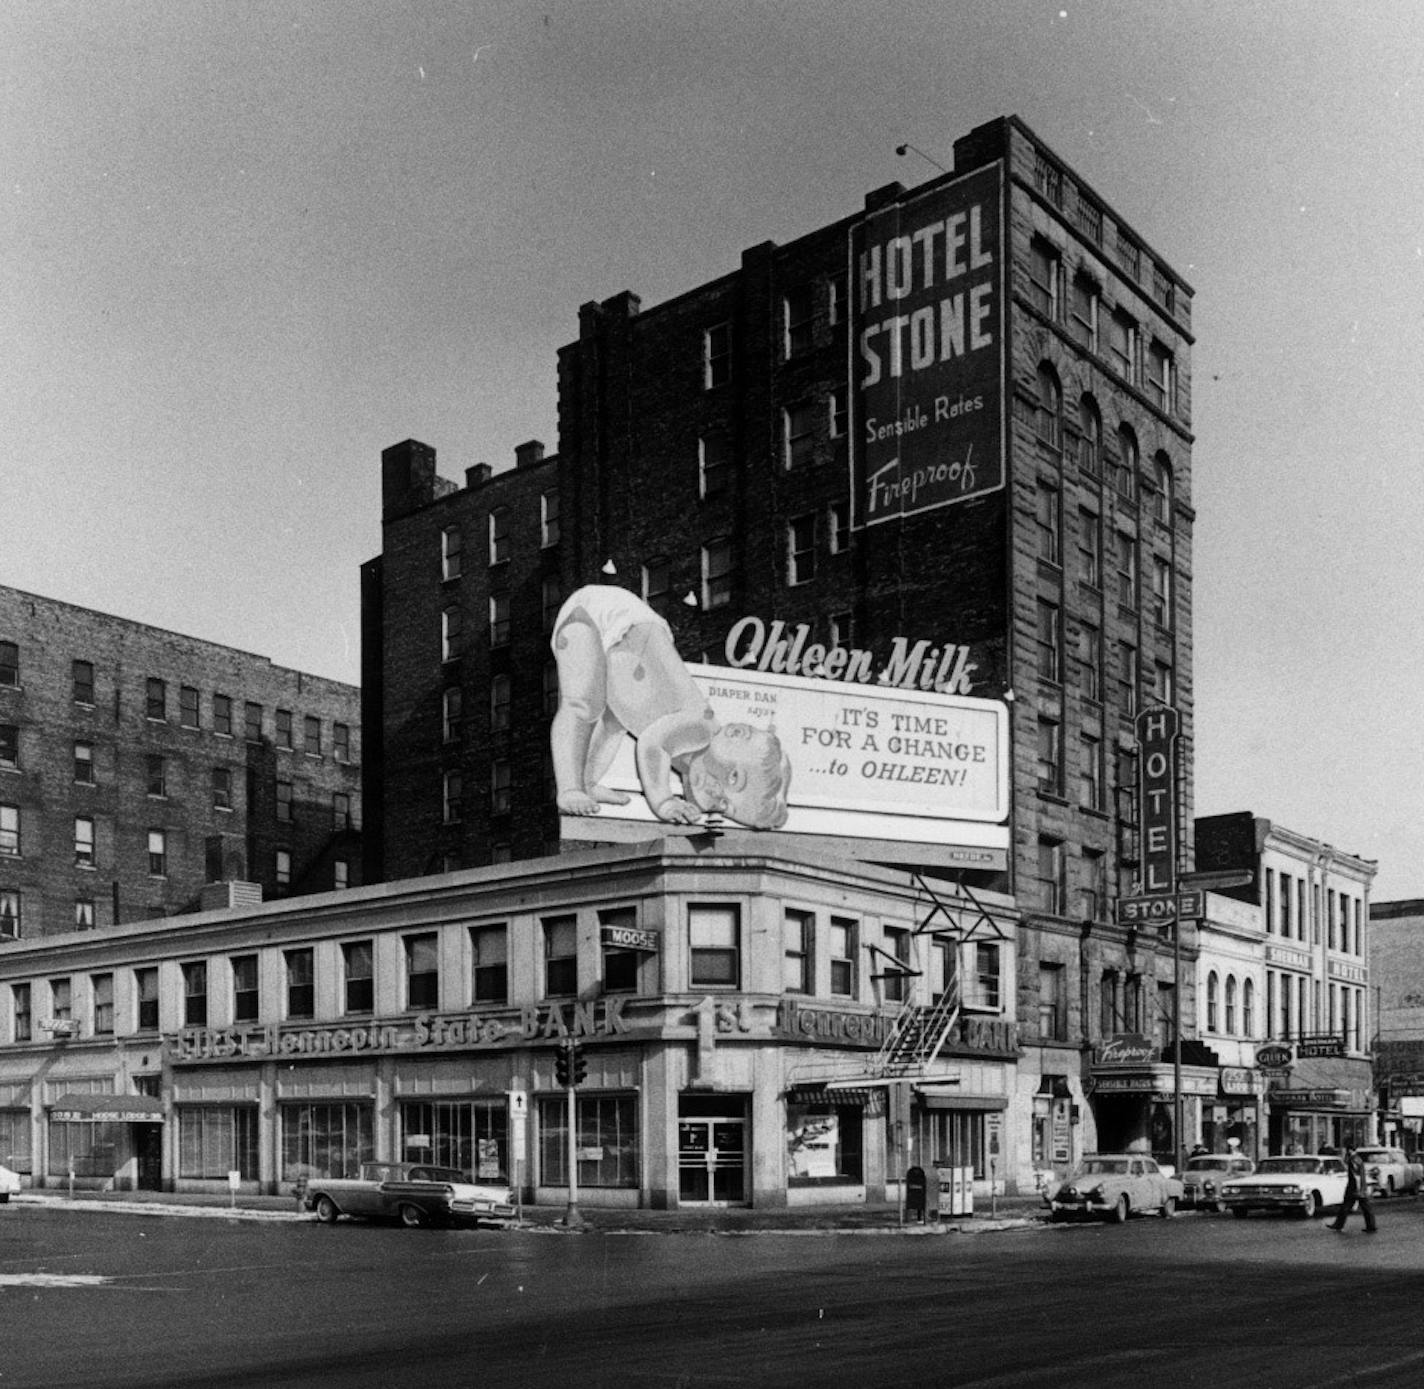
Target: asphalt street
[{"x": 119, "y": 1300}]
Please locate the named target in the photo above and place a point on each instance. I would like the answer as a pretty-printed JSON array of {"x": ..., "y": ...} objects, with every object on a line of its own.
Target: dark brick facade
[
  {"x": 141, "y": 751},
  {"x": 637, "y": 408}
]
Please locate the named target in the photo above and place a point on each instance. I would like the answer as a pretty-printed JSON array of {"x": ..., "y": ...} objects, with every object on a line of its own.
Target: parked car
[
  {"x": 9, "y": 1182},
  {"x": 415, "y": 1193},
  {"x": 1204, "y": 1175},
  {"x": 1389, "y": 1172},
  {"x": 1114, "y": 1186},
  {"x": 1306, "y": 1184}
]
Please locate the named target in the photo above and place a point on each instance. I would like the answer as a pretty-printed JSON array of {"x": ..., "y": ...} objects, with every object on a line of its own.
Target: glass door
[{"x": 711, "y": 1161}]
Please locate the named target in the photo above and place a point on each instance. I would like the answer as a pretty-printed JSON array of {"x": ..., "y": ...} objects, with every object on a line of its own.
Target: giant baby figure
[{"x": 619, "y": 673}]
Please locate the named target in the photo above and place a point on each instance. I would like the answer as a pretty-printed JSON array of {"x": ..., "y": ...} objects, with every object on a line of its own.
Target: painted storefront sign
[{"x": 927, "y": 346}]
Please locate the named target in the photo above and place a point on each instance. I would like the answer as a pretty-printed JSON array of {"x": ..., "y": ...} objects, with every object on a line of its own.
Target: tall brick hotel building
[{"x": 947, "y": 437}]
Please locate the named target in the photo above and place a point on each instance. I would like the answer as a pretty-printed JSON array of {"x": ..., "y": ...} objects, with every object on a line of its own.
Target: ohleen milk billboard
[
  {"x": 640, "y": 735},
  {"x": 926, "y": 351}
]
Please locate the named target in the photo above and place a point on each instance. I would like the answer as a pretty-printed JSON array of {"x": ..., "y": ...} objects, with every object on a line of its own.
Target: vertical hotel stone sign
[
  {"x": 1157, "y": 811},
  {"x": 926, "y": 348}
]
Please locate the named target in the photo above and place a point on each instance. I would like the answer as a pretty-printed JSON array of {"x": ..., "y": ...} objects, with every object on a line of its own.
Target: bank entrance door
[{"x": 712, "y": 1151}]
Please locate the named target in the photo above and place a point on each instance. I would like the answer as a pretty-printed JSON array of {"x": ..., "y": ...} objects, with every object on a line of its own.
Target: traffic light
[
  {"x": 580, "y": 1062},
  {"x": 561, "y": 1064}
]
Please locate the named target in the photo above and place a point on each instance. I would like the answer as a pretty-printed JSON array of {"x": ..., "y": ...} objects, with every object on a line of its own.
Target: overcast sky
[{"x": 247, "y": 245}]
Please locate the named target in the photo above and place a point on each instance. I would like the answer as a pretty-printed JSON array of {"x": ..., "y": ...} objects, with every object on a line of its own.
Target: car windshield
[
  {"x": 1288, "y": 1164},
  {"x": 1376, "y": 1154},
  {"x": 1209, "y": 1164},
  {"x": 1095, "y": 1167}
]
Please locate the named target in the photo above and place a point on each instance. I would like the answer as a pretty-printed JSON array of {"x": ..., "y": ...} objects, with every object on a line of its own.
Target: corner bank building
[{"x": 911, "y": 493}]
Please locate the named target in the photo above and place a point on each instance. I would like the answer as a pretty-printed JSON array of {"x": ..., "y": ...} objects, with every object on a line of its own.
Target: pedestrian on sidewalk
[{"x": 1357, "y": 1193}]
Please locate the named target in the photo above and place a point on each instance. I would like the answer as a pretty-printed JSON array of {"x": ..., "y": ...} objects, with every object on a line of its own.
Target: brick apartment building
[
  {"x": 769, "y": 447},
  {"x": 139, "y": 766}
]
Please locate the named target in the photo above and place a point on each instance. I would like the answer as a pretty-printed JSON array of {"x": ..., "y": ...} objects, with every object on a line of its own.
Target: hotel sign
[
  {"x": 1157, "y": 781},
  {"x": 927, "y": 345}
]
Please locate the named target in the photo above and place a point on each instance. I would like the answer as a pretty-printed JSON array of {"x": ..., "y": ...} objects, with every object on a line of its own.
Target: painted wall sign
[
  {"x": 927, "y": 348},
  {"x": 425, "y": 1032}
]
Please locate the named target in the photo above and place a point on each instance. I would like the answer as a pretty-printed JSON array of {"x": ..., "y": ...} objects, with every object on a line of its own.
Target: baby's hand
[
  {"x": 577, "y": 803},
  {"x": 678, "y": 811}
]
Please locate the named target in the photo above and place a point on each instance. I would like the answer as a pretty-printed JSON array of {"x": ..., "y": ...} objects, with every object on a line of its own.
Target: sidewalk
[{"x": 1008, "y": 1212}]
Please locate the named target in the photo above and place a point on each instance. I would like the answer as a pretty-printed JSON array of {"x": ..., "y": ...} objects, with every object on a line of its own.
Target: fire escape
[{"x": 919, "y": 1032}]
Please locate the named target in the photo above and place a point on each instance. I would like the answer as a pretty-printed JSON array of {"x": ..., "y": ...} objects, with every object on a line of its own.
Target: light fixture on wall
[{"x": 609, "y": 567}]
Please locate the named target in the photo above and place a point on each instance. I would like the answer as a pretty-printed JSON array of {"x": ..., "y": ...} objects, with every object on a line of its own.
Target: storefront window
[
  {"x": 953, "y": 1138},
  {"x": 214, "y": 1142},
  {"x": 469, "y": 1136},
  {"x": 89, "y": 1150},
  {"x": 824, "y": 1145},
  {"x": 607, "y": 1141},
  {"x": 326, "y": 1140}
]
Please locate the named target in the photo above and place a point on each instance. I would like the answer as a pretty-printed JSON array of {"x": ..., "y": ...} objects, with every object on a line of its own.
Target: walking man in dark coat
[{"x": 1357, "y": 1193}]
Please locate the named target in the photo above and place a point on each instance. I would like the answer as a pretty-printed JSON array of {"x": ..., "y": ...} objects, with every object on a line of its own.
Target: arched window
[
  {"x": 1128, "y": 458},
  {"x": 1230, "y": 1017},
  {"x": 1090, "y": 437},
  {"x": 1050, "y": 407},
  {"x": 1162, "y": 479},
  {"x": 1211, "y": 989},
  {"x": 1248, "y": 1008}
]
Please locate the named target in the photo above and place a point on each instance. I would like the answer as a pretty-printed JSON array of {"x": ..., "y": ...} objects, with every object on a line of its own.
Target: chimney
[
  {"x": 407, "y": 478},
  {"x": 478, "y": 475},
  {"x": 526, "y": 455}
]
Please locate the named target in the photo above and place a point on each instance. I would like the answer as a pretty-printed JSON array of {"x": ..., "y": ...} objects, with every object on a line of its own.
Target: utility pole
[{"x": 569, "y": 1069}]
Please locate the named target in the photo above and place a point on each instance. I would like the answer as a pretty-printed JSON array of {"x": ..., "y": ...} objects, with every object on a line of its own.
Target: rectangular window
[
  {"x": 452, "y": 708},
  {"x": 714, "y": 465},
  {"x": 341, "y": 742},
  {"x": 798, "y": 932},
  {"x": 452, "y": 796},
  {"x": 83, "y": 763},
  {"x": 621, "y": 966},
  {"x": 489, "y": 963},
  {"x": 102, "y": 990},
  {"x": 1122, "y": 345},
  {"x": 606, "y": 1141},
  {"x": 717, "y": 355},
  {"x": 284, "y": 802},
  {"x": 551, "y": 598},
  {"x": 11, "y": 920},
  {"x": 340, "y": 875},
  {"x": 1090, "y": 772},
  {"x": 84, "y": 914},
  {"x": 560, "y": 956},
  {"x": 987, "y": 989},
  {"x": 1127, "y": 679},
  {"x": 499, "y": 620},
  {"x": 716, "y": 574},
  {"x": 156, "y": 703},
  {"x": 157, "y": 775},
  {"x": 1047, "y": 522},
  {"x": 714, "y": 940},
  {"x": 222, "y": 788},
  {"x": 1126, "y": 569},
  {"x": 1083, "y": 315},
  {"x": 327, "y": 1140},
  {"x": 213, "y": 1141},
  {"x": 61, "y": 1000},
  {"x": 838, "y": 527},
  {"x": 1052, "y": 1004},
  {"x": 797, "y": 434},
  {"x": 282, "y": 727},
  {"x": 301, "y": 982},
  {"x": 1050, "y": 641},
  {"x": 897, "y": 970},
  {"x": 195, "y": 993},
  {"x": 358, "y": 968},
  {"x": 548, "y": 519},
  {"x": 311, "y": 735},
  {"x": 1045, "y": 279},
  {"x": 1090, "y": 662},
  {"x": 422, "y": 971},
  {"x": 83, "y": 840},
  {"x": 842, "y": 942},
  {"x": 1090, "y": 549},
  {"x": 20, "y": 1000},
  {"x": 158, "y": 853},
  {"x": 10, "y": 830},
  {"x": 1050, "y": 756},
  {"x": 340, "y": 810},
  {"x": 187, "y": 706},
  {"x": 656, "y": 581},
  {"x": 450, "y": 552},
  {"x": 81, "y": 674},
  {"x": 1161, "y": 376},
  {"x": 252, "y": 722},
  {"x": 500, "y": 703},
  {"x": 1164, "y": 688},
  {"x": 499, "y": 535},
  {"x": 245, "y": 996},
  {"x": 1162, "y": 591},
  {"x": 146, "y": 995},
  {"x": 501, "y": 785},
  {"x": 796, "y": 321},
  {"x": 1052, "y": 877},
  {"x": 222, "y": 715},
  {"x": 801, "y": 550},
  {"x": 837, "y": 415}
]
